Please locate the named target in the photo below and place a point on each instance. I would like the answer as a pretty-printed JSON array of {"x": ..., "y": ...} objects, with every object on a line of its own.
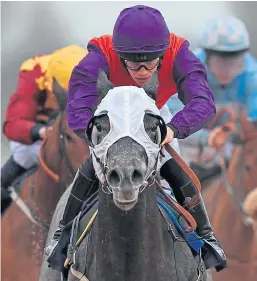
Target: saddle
[
  {"x": 81, "y": 225},
  {"x": 16, "y": 184}
]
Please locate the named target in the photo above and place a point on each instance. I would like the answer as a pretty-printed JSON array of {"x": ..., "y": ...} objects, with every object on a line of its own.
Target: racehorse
[
  {"x": 25, "y": 223},
  {"x": 130, "y": 239},
  {"x": 231, "y": 204}
]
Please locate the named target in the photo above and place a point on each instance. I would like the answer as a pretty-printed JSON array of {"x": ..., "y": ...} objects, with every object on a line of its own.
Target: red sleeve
[{"x": 22, "y": 108}]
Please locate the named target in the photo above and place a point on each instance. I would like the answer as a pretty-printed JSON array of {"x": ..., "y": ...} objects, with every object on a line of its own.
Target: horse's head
[
  {"x": 126, "y": 133},
  {"x": 243, "y": 166},
  {"x": 248, "y": 141},
  {"x": 250, "y": 207},
  {"x": 63, "y": 151}
]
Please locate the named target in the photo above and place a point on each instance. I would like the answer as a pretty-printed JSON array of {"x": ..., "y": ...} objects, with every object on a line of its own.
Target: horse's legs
[{"x": 183, "y": 187}]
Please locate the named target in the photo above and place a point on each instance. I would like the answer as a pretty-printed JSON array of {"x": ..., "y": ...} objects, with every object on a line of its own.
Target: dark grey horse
[{"x": 129, "y": 239}]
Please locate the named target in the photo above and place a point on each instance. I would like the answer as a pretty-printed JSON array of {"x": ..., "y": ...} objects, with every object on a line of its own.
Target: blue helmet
[{"x": 226, "y": 34}]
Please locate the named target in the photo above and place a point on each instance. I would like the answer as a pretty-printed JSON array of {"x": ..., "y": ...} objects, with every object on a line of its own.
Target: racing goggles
[{"x": 147, "y": 65}]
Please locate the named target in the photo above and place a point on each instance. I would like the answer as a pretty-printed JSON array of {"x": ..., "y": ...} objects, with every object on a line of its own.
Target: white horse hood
[{"x": 125, "y": 107}]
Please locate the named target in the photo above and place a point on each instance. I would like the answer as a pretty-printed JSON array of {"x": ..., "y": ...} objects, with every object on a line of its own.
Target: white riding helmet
[{"x": 225, "y": 34}]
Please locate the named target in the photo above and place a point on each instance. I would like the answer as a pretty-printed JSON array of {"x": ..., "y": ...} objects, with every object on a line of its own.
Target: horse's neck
[
  {"x": 228, "y": 223},
  {"x": 134, "y": 225},
  {"x": 46, "y": 190},
  {"x": 51, "y": 152},
  {"x": 228, "y": 219},
  {"x": 132, "y": 239}
]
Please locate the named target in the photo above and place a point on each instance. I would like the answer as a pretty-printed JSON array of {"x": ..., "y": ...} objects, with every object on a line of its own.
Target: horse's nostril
[
  {"x": 137, "y": 177},
  {"x": 114, "y": 178}
]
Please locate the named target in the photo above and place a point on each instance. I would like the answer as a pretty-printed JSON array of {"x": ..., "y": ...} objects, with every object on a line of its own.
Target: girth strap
[{"x": 78, "y": 274}]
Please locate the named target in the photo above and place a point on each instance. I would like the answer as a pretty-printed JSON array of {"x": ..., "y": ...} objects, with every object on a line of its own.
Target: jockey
[
  {"x": 141, "y": 44},
  {"x": 232, "y": 75},
  {"x": 30, "y": 106}
]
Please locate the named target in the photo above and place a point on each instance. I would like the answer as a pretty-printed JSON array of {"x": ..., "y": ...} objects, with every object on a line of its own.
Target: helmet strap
[
  {"x": 123, "y": 63},
  {"x": 160, "y": 63}
]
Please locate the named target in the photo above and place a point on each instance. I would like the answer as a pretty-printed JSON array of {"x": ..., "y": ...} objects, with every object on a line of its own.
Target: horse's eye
[
  {"x": 154, "y": 127},
  {"x": 68, "y": 137},
  {"x": 98, "y": 127}
]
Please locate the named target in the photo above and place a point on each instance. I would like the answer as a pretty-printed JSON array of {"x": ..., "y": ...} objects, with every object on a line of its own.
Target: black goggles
[{"x": 136, "y": 66}]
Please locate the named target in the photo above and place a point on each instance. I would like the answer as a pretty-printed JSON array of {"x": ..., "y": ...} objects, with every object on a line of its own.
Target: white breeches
[{"x": 25, "y": 155}]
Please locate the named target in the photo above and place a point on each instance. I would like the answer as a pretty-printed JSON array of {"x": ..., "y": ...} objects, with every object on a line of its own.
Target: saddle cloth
[{"x": 16, "y": 184}]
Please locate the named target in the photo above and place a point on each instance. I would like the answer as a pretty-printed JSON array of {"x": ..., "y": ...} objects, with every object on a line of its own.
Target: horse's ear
[
  {"x": 103, "y": 85},
  {"x": 60, "y": 94},
  {"x": 247, "y": 126},
  {"x": 151, "y": 86}
]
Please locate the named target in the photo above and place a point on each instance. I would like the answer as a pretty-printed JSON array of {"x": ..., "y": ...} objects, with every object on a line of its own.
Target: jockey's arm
[
  {"x": 203, "y": 136},
  {"x": 251, "y": 98},
  {"x": 20, "y": 122},
  {"x": 167, "y": 115},
  {"x": 83, "y": 95},
  {"x": 194, "y": 92},
  {"x": 199, "y": 138}
]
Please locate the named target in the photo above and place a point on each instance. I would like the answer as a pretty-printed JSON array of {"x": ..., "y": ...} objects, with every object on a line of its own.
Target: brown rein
[
  {"x": 190, "y": 173},
  {"x": 44, "y": 165}
]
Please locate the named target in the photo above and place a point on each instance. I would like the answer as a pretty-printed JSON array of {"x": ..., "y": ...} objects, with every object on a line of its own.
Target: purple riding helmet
[{"x": 140, "y": 34}]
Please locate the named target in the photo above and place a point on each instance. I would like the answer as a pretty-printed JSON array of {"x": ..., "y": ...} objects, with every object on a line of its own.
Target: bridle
[
  {"x": 149, "y": 180},
  {"x": 150, "y": 177},
  {"x": 62, "y": 151}
]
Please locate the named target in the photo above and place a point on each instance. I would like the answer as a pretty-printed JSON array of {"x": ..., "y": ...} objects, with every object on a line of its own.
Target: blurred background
[{"x": 30, "y": 28}]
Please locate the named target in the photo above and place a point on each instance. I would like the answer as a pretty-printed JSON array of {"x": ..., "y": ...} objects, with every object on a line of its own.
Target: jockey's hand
[
  {"x": 44, "y": 131},
  {"x": 236, "y": 138},
  {"x": 219, "y": 135},
  {"x": 169, "y": 137}
]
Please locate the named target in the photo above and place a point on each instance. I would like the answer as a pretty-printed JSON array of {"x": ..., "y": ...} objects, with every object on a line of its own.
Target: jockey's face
[
  {"x": 226, "y": 68},
  {"x": 142, "y": 71}
]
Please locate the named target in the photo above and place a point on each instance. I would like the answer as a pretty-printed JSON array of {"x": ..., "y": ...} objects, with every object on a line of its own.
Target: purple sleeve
[
  {"x": 83, "y": 97},
  {"x": 194, "y": 92}
]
